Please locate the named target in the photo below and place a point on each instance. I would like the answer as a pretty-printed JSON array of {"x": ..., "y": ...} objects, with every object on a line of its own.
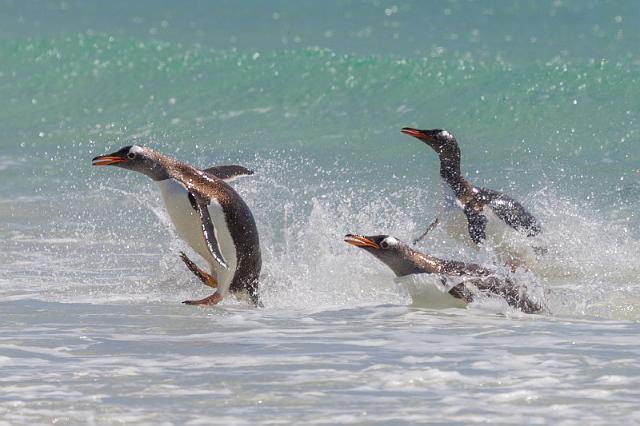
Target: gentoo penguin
[
  {"x": 463, "y": 280},
  {"x": 208, "y": 214},
  {"x": 467, "y": 210}
]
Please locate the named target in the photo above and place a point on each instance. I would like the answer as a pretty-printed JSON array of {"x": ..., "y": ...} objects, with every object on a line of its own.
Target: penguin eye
[
  {"x": 384, "y": 244},
  {"x": 131, "y": 155},
  {"x": 445, "y": 135}
]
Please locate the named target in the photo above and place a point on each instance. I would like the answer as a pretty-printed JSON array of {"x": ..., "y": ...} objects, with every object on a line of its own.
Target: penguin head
[
  {"x": 134, "y": 157},
  {"x": 438, "y": 139},
  {"x": 389, "y": 250}
]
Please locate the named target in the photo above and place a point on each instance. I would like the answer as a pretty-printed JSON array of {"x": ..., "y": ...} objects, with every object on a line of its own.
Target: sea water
[{"x": 542, "y": 96}]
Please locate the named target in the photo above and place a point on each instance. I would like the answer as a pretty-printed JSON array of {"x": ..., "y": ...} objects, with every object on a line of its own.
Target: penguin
[
  {"x": 208, "y": 214},
  {"x": 464, "y": 281},
  {"x": 470, "y": 211}
]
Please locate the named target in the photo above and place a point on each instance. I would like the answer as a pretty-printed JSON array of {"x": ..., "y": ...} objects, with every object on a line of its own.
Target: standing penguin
[
  {"x": 465, "y": 209},
  {"x": 208, "y": 214}
]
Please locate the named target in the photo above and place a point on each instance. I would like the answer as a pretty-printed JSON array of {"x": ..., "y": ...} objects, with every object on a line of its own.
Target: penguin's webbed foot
[
  {"x": 207, "y": 279},
  {"x": 214, "y": 299}
]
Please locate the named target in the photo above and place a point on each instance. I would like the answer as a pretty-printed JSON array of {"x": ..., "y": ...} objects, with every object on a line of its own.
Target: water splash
[{"x": 116, "y": 243}]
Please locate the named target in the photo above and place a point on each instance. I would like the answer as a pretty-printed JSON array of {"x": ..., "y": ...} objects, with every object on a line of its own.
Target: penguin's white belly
[
  {"x": 189, "y": 227},
  {"x": 455, "y": 224},
  {"x": 452, "y": 216},
  {"x": 508, "y": 244},
  {"x": 428, "y": 291},
  {"x": 497, "y": 230}
]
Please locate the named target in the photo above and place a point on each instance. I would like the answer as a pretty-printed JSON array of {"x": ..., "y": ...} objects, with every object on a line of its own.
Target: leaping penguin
[
  {"x": 466, "y": 209},
  {"x": 208, "y": 214},
  {"x": 464, "y": 281}
]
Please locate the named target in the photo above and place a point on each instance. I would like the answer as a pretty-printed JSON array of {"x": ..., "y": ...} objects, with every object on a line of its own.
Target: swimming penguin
[
  {"x": 464, "y": 281},
  {"x": 467, "y": 210},
  {"x": 208, "y": 214}
]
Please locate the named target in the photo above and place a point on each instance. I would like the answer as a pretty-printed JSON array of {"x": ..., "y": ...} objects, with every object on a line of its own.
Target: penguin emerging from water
[
  {"x": 464, "y": 281},
  {"x": 466, "y": 209},
  {"x": 208, "y": 214}
]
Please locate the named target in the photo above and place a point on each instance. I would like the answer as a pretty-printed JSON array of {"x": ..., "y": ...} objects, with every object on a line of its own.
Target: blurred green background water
[{"x": 542, "y": 95}]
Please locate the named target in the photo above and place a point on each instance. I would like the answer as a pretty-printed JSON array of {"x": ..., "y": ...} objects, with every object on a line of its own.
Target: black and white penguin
[
  {"x": 464, "y": 281},
  {"x": 208, "y": 214},
  {"x": 467, "y": 210}
]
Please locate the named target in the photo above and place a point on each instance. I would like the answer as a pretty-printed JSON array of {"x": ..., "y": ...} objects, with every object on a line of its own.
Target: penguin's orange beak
[
  {"x": 107, "y": 160},
  {"x": 416, "y": 133},
  {"x": 423, "y": 135},
  {"x": 360, "y": 241}
]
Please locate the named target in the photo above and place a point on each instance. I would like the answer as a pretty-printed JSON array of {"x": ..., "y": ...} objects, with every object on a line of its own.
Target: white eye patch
[
  {"x": 135, "y": 149},
  {"x": 445, "y": 134},
  {"x": 389, "y": 242}
]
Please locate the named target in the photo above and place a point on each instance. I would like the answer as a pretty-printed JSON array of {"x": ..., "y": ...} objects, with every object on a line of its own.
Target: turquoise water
[{"x": 542, "y": 96}]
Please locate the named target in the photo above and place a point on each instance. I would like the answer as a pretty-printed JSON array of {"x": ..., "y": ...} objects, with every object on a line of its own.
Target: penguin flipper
[
  {"x": 208, "y": 231},
  {"x": 512, "y": 212},
  {"x": 477, "y": 224},
  {"x": 228, "y": 173}
]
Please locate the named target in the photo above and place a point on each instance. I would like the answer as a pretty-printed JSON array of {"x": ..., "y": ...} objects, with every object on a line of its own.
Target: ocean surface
[{"x": 543, "y": 96}]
